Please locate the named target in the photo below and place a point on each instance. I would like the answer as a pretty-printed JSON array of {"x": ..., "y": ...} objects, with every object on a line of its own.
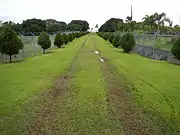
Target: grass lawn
[
  {"x": 156, "y": 84},
  {"x": 84, "y": 105},
  {"x": 19, "y": 81}
]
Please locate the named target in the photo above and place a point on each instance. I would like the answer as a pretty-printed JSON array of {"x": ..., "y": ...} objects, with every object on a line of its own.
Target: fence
[
  {"x": 155, "y": 46},
  {"x": 30, "y": 49}
]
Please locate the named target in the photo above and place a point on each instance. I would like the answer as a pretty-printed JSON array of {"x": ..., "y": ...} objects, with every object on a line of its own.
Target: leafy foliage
[
  {"x": 110, "y": 25},
  {"x": 110, "y": 37},
  {"x": 66, "y": 38},
  {"x": 78, "y": 25},
  {"x": 60, "y": 26},
  {"x": 127, "y": 42},
  {"x": 116, "y": 40},
  {"x": 34, "y": 25},
  {"x": 176, "y": 49},
  {"x": 44, "y": 41},
  {"x": 10, "y": 44},
  {"x": 71, "y": 37},
  {"x": 59, "y": 40}
]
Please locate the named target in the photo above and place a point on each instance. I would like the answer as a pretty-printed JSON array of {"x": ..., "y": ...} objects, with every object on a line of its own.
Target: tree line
[
  {"x": 10, "y": 43},
  {"x": 34, "y": 26},
  {"x": 149, "y": 24}
]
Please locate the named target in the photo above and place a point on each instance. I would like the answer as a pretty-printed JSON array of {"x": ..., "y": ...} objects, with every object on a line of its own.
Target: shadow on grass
[{"x": 13, "y": 61}]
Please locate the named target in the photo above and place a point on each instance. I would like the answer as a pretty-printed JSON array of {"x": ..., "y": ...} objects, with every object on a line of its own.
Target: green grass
[
  {"x": 19, "y": 81},
  {"x": 84, "y": 111},
  {"x": 89, "y": 111},
  {"x": 156, "y": 83}
]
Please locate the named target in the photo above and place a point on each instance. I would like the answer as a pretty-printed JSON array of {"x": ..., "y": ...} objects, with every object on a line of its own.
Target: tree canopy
[
  {"x": 78, "y": 25},
  {"x": 34, "y": 25},
  {"x": 111, "y": 25},
  {"x": 10, "y": 44}
]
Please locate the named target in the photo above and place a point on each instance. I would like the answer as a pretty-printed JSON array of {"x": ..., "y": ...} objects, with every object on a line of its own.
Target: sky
[{"x": 93, "y": 11}]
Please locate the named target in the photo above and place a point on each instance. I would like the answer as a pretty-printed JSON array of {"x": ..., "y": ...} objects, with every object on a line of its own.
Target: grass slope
[{"x": 155, "y": 84}]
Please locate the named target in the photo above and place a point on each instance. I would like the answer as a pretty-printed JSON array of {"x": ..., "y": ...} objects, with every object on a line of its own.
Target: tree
[
  {"x": 10, "y": 44},
  {"x": 176, "y": 49},
  {"x": 80, "y": 24},
  {"x": 34, "y": 25},
  {"x": 59, "y": 26},
  {"x": 110, "y": 37},
  {"x": 116, "y": 40},
  {"x": 71, "y": 37},
  {"x": 66, "y": 38},
  {"x": 59, "y": 40},
  {"x": 74, "y": 27},
  {"x": 127, "y": 42},
  {"x": 44, "y": 41},
  {"x": 111, "y": 25}
]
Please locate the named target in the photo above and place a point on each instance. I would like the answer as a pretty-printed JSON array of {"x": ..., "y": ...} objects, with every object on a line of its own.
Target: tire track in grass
[
  {"x": 133, "y": 121},
  {"x": 89, "y": 109},
  {"x": 166, "y": 126},
  {"x": 132, "y": 117},
  {"x": 45, "y": 120}
]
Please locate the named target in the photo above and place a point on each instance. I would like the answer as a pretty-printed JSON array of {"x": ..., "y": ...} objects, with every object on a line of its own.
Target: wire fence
[
  {"x": 31, "y": 48},
  {"x": 164, "y": 42},
  {"x": 155, "y": 46}
]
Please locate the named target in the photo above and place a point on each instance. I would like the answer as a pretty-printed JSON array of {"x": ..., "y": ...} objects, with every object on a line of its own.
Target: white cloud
[{"x": 94, "y": 11}]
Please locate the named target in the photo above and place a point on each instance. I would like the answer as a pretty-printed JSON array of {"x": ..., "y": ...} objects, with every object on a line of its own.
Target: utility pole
[{"x": 131, "y": 13}]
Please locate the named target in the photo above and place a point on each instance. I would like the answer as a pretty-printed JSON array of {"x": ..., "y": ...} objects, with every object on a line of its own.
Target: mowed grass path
[{"x": 80, "y": 100}]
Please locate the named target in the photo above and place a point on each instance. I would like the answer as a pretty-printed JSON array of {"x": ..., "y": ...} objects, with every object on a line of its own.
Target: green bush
[
  {"x": 105, "y": 36},
  {"x": 44, "y": 41},
  {"x": 127, "y": 42},
  {"x": 116, "y": 40},
  {"x": 59, "y": 40},
  {"x": 176, "y": 49},
  {"x": 66, "y": 38},
  {"x": 10, "y": 44},
  {"x": 71, "y": 37},
  {"x": 172, "y": 40},
  {"x": 110, "y": 37}
]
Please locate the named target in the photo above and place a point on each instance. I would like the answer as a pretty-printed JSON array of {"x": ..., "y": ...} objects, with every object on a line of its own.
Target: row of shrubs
[
  {"x": 60, "y": 39},
  {"x": 125, "y": 41},
  {"x": 10, "y": 43}
]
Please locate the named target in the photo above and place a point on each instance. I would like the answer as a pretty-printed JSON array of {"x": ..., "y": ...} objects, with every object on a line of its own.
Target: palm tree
[
  {"x": 128, "y": 19},
  {"x": 169, "y": 21}
]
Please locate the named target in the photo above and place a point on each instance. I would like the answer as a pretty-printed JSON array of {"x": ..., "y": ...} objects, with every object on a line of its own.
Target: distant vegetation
[
  {"x": 126, "y": 41},
  {"x": 149, "y": 24},
  {"x": 34, "y": 26}
]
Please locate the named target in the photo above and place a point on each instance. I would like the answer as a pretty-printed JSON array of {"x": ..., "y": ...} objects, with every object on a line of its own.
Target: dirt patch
[
  {"x": 125, "y": 108},
  {"x": 44, "y": 119}
]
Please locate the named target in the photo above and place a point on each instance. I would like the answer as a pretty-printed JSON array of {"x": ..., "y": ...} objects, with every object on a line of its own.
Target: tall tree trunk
[
  {"x": 43, "y": 50},
  {"x": 10, "y": 58}
]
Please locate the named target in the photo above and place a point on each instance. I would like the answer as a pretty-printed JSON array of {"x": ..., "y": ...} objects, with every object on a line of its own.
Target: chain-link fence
[
  {"x": 31, "y": 48},
  {"x": 164, "y": 42},
  {"x": 155, "y": 46}
]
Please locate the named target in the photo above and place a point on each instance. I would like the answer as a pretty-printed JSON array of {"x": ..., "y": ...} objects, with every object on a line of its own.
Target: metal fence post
[
  {"x": 154, "y": 47},
  {"x": 143, "y": 39},
  {"x": 23, "y": 52},
  {"x": 34, "y": 44}
]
